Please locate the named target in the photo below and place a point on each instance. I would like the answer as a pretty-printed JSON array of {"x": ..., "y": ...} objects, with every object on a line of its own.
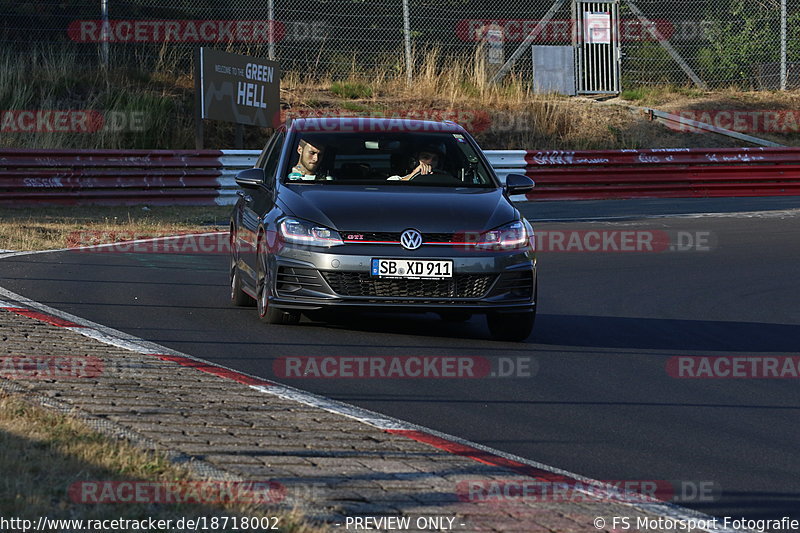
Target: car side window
[
  {"x": 272, "y": 158},
  {"x": 263, "y": 155}
]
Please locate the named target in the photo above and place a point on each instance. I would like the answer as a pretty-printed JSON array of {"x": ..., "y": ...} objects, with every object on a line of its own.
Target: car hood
[{"x": 397, "y": 207}]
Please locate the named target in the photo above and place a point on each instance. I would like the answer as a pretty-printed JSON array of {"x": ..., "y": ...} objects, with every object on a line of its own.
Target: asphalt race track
[{"x": 600, "y": 398}]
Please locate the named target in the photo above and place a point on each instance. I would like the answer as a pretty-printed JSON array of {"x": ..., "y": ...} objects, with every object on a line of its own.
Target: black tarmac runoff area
[{"x": 666, "y": 348}]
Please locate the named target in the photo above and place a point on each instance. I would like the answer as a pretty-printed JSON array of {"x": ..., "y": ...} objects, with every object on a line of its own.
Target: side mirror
[
  {"x": 518, "y": 184},
  {"x": 250, "y": 178}
]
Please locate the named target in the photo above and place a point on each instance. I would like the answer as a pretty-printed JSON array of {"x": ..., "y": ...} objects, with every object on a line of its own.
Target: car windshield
[{"x": 443, "y": 159}]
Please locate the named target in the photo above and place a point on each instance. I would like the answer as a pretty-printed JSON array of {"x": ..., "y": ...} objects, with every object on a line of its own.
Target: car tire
[
  {"x": 239, "y": 298},
  {"x": 267, "y": 313},
  {"x": 455, "y": 316},
  {"x": 515, "y": 327}
]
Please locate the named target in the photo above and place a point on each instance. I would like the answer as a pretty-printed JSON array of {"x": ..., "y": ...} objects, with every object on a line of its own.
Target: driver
[
  {"x": 428, "y": 160},
  {"x": 307, "y": 166}
]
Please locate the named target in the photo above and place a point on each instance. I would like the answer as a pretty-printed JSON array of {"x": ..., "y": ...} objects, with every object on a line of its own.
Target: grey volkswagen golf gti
[{"x": 382, "y": 215}]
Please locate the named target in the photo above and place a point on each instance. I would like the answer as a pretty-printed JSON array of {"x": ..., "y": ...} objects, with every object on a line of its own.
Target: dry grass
[
  {"x": 442, "y": 87},
  {"x": 53, "y": 227},
  {"x": 520, "y": 119},
  {"x": 686, "y": 99},
  {"x": 137, "y": 110},
  {"x": 504, "y": 116},
  {"x": 449, "y": 81},
  {"x": 671, "y": 95},
  {"x": 43, "y": 453}
]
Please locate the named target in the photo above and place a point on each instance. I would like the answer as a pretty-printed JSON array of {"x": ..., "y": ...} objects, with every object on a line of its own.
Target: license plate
[{"x": 412, "y": 268}]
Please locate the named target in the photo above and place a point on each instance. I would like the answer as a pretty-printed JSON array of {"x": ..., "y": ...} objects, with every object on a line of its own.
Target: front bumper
[{"x": 482, "y": 282}]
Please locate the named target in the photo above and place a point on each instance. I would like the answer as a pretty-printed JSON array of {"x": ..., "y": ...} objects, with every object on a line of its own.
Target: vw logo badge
[{"x": 411, "y": 239}]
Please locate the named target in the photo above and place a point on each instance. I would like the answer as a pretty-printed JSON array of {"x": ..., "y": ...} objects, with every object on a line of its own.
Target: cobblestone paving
[{"x": 332, "y": 466}]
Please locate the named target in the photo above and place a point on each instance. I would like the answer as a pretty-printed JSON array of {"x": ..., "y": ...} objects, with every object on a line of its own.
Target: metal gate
[{"x": 597, "y": 46}]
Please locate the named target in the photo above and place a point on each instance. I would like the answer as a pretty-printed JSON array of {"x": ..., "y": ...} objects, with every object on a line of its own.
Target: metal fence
[{"x": 750, "y": 43}]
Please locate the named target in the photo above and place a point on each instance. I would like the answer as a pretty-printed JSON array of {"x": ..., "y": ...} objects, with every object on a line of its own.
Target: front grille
[
  {"x": 364, "y": 284},
  {"x": 365, "y": 236},
  {"x": 438, "y": 237},
  {"x": 394, "y": 237}
]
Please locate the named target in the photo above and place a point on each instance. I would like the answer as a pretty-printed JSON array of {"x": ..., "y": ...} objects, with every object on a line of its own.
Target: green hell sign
[{"x": 239, "y": 89}]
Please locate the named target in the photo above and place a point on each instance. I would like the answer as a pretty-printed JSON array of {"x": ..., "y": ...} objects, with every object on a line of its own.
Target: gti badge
[{"x": 411, "y": 239}]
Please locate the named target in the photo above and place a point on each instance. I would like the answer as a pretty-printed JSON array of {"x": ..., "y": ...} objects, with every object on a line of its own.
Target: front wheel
[
  {"x": 266, "y": 312},
  {"x": 515, "y": 327},
  {"x": 238, "y": 296}
]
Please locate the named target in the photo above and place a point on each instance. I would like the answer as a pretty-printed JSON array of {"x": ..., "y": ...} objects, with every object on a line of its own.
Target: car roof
[{"x": 372, "y": 125}]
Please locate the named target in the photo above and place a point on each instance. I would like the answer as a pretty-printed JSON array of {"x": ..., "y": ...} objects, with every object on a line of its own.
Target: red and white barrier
[
  {"x": 109, "y": 177},
  {"x": 663, "y": 173},
  {"x": 206, "y": 177}
]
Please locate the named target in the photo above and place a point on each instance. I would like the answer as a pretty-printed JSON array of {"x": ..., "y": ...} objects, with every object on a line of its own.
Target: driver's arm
[{"x": 422, "y": 168}]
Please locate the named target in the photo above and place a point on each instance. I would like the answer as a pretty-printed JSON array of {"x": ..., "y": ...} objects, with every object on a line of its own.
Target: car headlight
[
  {"x": 303, "y": 232},
  {"x": 508, "y": 237}
]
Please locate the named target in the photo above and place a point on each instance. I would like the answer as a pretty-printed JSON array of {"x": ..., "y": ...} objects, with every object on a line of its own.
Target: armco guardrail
[
  {"x": 111, "y": 177},
  {"x": 206, "y": 177},
  {"x": 234, "y": 161},
  {"x": 663, "y": 173}
]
